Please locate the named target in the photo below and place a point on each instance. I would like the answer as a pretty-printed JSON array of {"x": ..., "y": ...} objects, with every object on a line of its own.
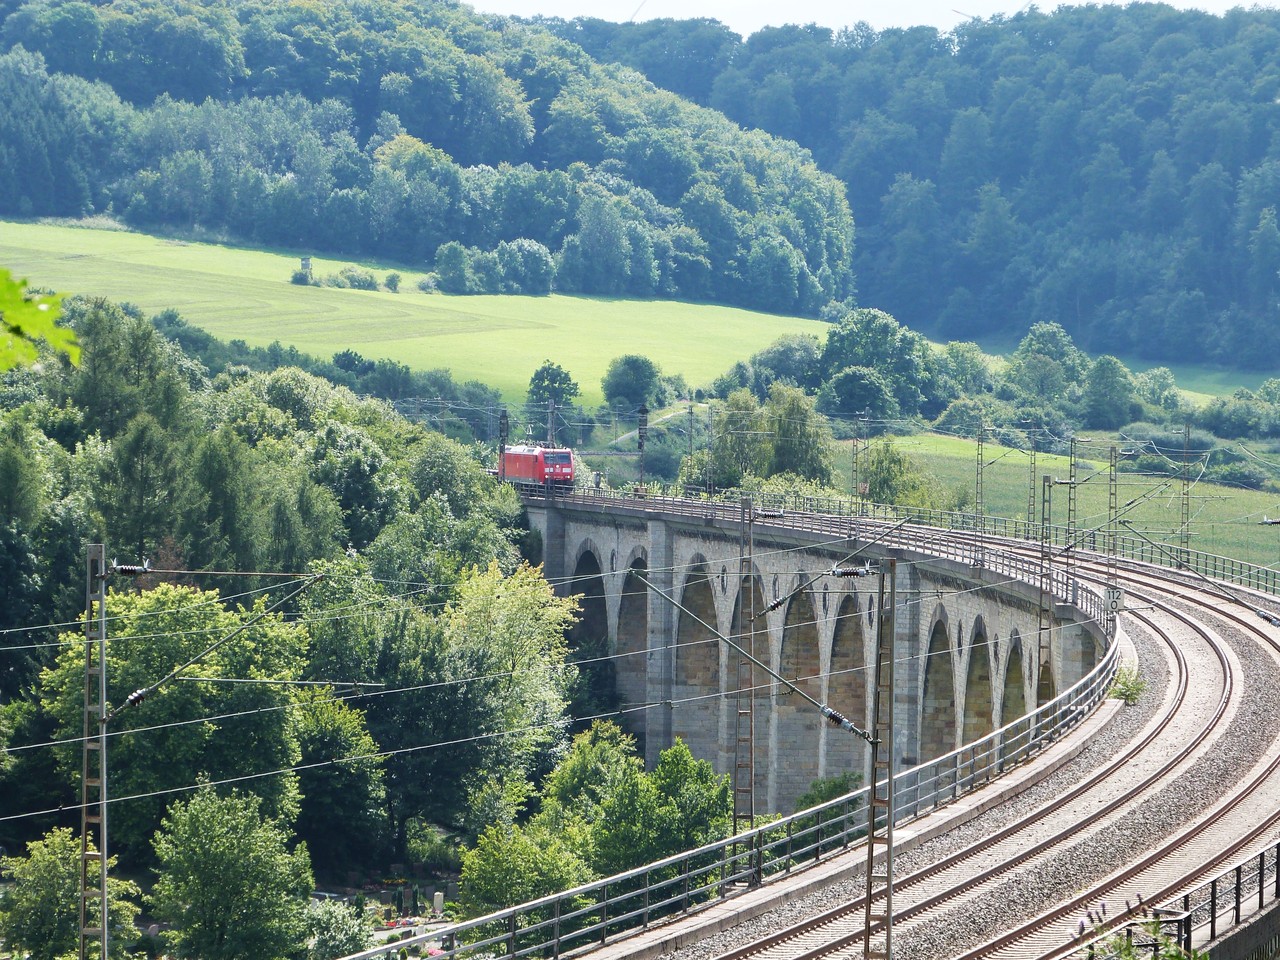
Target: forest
[
  {"x": 415, "y": 131},
  {"x": 395, "y": 682},
  {"x": 1100, "y": 178},
  {"x": 1114, "y": 169},
  {"x": 1111, "y": 169},
  {"x": 405, "y": 688}
]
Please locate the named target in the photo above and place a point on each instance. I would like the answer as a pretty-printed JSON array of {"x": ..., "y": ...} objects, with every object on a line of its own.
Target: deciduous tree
[
  {"x": 39, "y": 913},
  {"x": 228, "y": 881}
]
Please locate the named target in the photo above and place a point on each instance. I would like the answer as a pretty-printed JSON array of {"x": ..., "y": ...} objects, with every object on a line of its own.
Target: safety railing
[
  {"x": 1201, "y": 915},
  {"x": 794, "y": 509},
  {"x": 824, "y": 517}
]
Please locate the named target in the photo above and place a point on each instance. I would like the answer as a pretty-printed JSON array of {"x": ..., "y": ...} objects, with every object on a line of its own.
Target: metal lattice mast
[
  {"x": 1184, "y": 526},
  {"x": 93, "y": 770},
  {"x": 1113, "y": 511},
  {"x": 979, "y": 509},
  {"x": 1046, "y": 570},
  {"x": 1031, "y": 481},
  {"x": 877, "y": 932},
  {"x": 1068, "y": 551},
  {"x": 744, "y": 770},
  {"x": 711, "y": 446}
]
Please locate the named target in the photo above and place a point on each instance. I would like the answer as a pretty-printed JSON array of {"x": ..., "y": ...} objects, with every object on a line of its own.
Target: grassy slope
[
  {"x": 500, "y": 340},
  {"x": 1224, "y": 520},
  {"x": 246, "y": 294}
]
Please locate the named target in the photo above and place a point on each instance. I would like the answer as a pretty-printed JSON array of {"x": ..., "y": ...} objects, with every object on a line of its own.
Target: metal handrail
[
  {"x": 1214, "y": 566},
  {"x": 733, "y": 865},
  {"x": 1215, "y": 907}
]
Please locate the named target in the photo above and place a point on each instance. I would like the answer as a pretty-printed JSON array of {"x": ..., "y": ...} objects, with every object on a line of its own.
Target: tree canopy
[
  {"x": 501, "y": 155},
  {"x": 1110, "y": 168}
]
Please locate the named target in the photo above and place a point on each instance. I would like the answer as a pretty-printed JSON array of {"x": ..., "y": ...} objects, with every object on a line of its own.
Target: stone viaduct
[{"x": 968, "y": 640}]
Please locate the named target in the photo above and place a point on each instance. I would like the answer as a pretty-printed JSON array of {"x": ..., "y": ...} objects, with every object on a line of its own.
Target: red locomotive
[{"x": 527, "y": 465}]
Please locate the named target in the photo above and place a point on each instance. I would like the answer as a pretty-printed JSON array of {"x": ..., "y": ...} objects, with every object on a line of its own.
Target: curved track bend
[{"x": 1195, "y": 726}]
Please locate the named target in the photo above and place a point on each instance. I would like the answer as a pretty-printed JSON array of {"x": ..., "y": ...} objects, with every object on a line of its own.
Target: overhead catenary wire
[
  {"x": 398, "y": 751},
  {"x": 498, "y": 675}
]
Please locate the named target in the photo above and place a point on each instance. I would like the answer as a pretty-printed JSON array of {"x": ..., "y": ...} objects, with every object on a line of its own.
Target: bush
[
  {"x": 1127, "y": 686},
  {"x": 301, "y": 277},
  {"x": 392, "y": 282},
  {"x": 358, "y": 279}
]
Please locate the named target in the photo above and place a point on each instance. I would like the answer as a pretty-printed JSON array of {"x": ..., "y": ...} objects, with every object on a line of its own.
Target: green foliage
[
  {"x": 228, "y": 881},
  {"x": 152, "y": 633},
  {"x": 27, "y": 320},
  {"x": 892, "y": 476},
  {"x": 598, "y": 758},
  {"x": 799, "y": 437},
  {"x": 511, "y": 865},
  {"x": 828, "y": 788},
  {"x": 335, "y": 929},
  {"x": 551, "y": 382},
  {"x": 1147, "y": 940},
  {"x": 630, "y": 381},
  {"x": 999, "y": 164},
  {"x": 1127, "y": 686},
  {"x": 342, "y": 811},
  {"x": 681, "y": 805},
  {"x": 39, "y": 912},
  {"x": 409, "y": 132}
]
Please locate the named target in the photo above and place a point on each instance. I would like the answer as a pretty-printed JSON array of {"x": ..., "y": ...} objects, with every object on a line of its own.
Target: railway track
[
  {"x": 1222, "y": 655},
  {"x": 1097, "y": 804}
]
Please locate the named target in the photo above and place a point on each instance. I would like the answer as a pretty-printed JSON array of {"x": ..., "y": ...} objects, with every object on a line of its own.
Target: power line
[{"x": 363, "y": 695}]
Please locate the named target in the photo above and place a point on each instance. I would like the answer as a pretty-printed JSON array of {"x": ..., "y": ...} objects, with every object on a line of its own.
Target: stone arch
[
  {"x": 696, "y": 684},
  {"x": 847, "y": 683},
  {"x": 633, "y": 643},
  {"x": 749, "y": 602},
  {"x": 798, "y": 661},
  {"x": 979, "y": 696},
  {"x": 797, "y": 722},
  {"x": 938, "y": 702},
  {"x": 1046, "y": 686},
  {"x": 1013, "y": 702},
  {"x": 596, "y": 688}
]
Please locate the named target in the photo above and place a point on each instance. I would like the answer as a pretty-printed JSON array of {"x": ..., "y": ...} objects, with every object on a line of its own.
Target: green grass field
[
  {"x": 1224, "y": 520},
  {"x": 237, "y": 293}
]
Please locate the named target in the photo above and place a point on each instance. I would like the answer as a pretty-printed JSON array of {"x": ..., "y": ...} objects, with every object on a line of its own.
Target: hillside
[
  {"x": 1114, "y": 169},
  {"x": 499, "y": 156},
  {"x": 500, "y": 341}
]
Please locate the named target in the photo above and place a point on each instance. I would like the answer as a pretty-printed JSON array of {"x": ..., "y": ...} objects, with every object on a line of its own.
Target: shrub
[
  {"x": 358, "y": 279},
  {"x": 301, "y": 277},
  {"x": 392, "y": 282},
  {"x": 1127, "y": 686}
]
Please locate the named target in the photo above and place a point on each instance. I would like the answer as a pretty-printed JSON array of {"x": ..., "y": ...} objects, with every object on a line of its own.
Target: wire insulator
[
  {"x": 776, "y": 604},
  {"x": 850, "y": 571},
  {"x": 135, "y": 698}
]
